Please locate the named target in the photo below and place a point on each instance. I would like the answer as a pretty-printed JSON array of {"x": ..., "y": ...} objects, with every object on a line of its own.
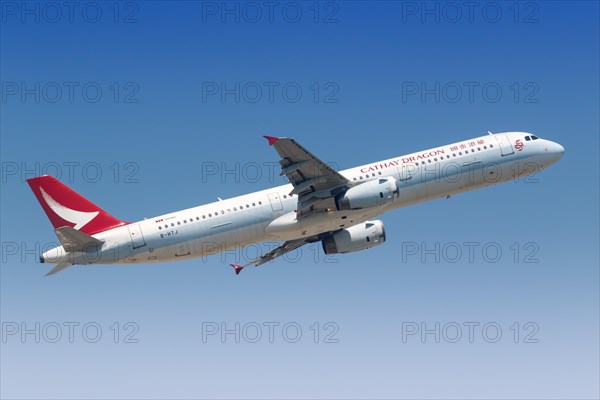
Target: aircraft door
[
  {"x": 275, "y": 201},
  {"x": 137, "y": 238},
  {"x": 505, "y": 145},
  {"x": 407, "y": 178},
  {"x": 406, "y": 172}
]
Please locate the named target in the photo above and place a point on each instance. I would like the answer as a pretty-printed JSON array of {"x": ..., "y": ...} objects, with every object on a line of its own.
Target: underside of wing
[{"x": 276, "y": 252}]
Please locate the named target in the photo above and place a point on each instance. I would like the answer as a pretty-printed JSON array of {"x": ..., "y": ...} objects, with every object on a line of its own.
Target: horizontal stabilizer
[{"x": 74, "y": 240}]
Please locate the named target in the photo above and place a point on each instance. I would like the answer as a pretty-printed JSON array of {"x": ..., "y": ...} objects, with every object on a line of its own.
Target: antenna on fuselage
[{"x": 490, "y": 133}]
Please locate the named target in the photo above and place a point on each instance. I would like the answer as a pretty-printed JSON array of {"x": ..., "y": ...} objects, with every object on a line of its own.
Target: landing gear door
[
  {"x": 505, "y": 145},
  {"x": 137, "y": 238}
]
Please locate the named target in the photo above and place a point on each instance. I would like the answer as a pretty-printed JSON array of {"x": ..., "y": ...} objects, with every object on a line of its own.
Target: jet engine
[
  {"x": 358, "y": 237},
  {"x": 369, "y": 194}
]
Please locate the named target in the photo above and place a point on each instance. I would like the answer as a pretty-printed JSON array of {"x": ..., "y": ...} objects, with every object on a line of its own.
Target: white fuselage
[{"x": 270, "y": 215}]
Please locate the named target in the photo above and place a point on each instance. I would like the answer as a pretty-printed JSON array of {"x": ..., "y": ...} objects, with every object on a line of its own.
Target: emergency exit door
[{"x": 275, "y": 201}]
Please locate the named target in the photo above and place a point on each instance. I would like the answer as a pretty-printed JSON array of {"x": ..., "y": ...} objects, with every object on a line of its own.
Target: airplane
[{"x": 337, "y": 208}]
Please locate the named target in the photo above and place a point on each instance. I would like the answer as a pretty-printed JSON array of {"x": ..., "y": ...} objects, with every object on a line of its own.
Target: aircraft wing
[
  {"x": 276, "y": 252},
  {"x": 315, "y": 182}
]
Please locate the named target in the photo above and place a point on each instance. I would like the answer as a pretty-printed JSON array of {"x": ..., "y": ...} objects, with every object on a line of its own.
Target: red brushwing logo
[{"x": 519, "y": 145}]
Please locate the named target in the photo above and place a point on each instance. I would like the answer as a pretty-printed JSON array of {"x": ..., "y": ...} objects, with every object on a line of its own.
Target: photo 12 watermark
[
  {"x": 72, "y": 171},
  {"x": 247, "y": 172},
  {"x": 270, "y": 332},
  {"x": 288, "y": 92},
  {"x": 70, "y": 12},
  {"x": 70, "y": 92},
  {"x": 270, "y": 12},
  {"x": 471, "y": 252},
  {"x": 451, "y": 92},
  {"x": 470, "y": 12},
  {"x": 223, "y": 252},
  {"x": 70, "y": 332},
  {"x": 470, "y": 332}
]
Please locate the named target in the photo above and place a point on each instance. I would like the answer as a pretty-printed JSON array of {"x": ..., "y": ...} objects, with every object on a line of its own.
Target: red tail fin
[{"x": 65, "y": 207}]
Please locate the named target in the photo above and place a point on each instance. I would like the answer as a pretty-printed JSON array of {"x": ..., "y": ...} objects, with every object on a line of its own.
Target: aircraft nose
[
  {"x": 558, "y": 149},
  {"x": 555, "y": 149}
]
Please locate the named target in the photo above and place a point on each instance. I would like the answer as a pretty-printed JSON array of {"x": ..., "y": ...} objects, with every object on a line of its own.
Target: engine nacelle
[
  {"x": 369, "y": 194},
  {"x": 358, "y": 237}
]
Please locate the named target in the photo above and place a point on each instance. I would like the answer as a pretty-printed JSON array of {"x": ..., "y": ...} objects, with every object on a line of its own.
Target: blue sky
[{"x": 150, "y": 107}]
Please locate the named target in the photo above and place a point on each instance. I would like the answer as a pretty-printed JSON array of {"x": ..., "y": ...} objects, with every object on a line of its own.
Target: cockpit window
[
  {"x": 534, "y": 137},
  {"x": 528, "y": 138}
]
